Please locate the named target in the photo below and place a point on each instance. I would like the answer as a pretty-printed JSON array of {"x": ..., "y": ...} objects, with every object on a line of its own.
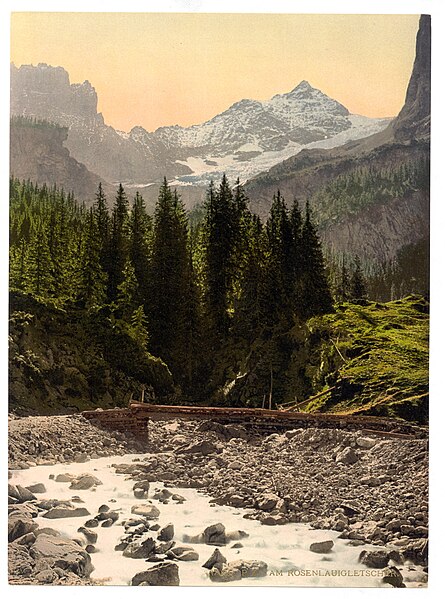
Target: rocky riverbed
[{"x": 310, "y": 487}]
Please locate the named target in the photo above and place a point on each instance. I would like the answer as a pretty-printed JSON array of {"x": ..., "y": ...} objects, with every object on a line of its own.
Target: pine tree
[
  {"x": 118, "y": 246},
  {"x": 220, "y": 243},
  {"x": 39, "y": 278},
  {"x": 343, "y": 290},
  {"x": 169, "y": 281},
  {"x": 139, "y": 250},
  {"x": 358, "y": 285},
  {"x": 280, "y": 266},
  {"x": 313, "y": 293},
  {"x": 92, "y": 279}
]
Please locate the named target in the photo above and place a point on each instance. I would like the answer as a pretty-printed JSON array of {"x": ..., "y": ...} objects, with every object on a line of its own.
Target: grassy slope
[{"x": 383, "y": 366}]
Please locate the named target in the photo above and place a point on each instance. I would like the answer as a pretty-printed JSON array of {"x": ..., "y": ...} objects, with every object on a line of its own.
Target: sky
[{"x": 155, "y": 69}]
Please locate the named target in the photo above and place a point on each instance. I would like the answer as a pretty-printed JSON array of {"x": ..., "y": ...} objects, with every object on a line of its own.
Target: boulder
[
  {"x": 20, "y": 563},
  {"x": 103, "y": 509},
  {"x": 374, "y": 559},
  {"x": 163, "y": 495},
  {"x": 184, "y": 554},
  {"x": 28, "y": 539},
  {"x": 147, "y": 510},
  {"x": 215, "y": 534},
  {"x": 90, "y": 535},
  {"x": 140, "y": 493},
  {"x": 107, "y": 523},
  {"x": 236, "y": 535},
  {"x": 321, "y": 546},
  {"x": 267, "y": 502},
  {"x": 66, "y": 512},
  {"x": 348, "y": 456},
  {"x": 393, "y": 576},
  {"x": 37, "y": 488},
  {"x": 165, "y": 574},
  {"x": 226, "y": 574},
  {"x": 63, "y": 553},
  {"x": 65, "y": 478},
  {"x": 84, "y": 482},
  {"x": 217, "y": 560},
  {"x": 47, "y": 576},
  {"x": 249, "y": 568},
  {"x": 166, "y": 533},
  {"x": 202, "y": 448},
  {"x": 92, "y": 523},
  {"x": 19, "y": 525},
  {"x": 140, "y": 549},
  {"x": 366, "y": 442},
  {"x": 24, "y": 494}
]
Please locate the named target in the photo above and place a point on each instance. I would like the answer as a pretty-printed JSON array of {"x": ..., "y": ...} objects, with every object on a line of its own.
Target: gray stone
[
  {"x": 65, "y": 478},
  {"x": 140, "y": 549},
  {"x": 167, "y": 532},
  {"x": 321, "y": 546},
  {"x": 140, "y": 493},
  {"x": 166, "y": 574},
  {"x": 393, "y": 576},
  {"x": 25, "y": 494},
  {"x": 182, "y": 553},
  {"x": 66, "y": 512},
  {"x": 63, "y": 553},
  {"x": 236, "y": 535},
  {"x": 267, "y": 502},
  {"x": 366, "y": 442},
  {"x": 84, "y": 482},
  {"x": 215, "y": 534},
  {"x": 37, "y": 488},
  {"x": 147, "y": 510},
  {"x": 202, "y": 448},
  {"x": 216, "y": 559},
  {"x": 28, "y": 539},
  {"x": 47, "y": 576},
  {"x": 226, "y": 574},
  {"x": 107, "y": 523},
  {"x": 103, "y": 509},
  {"x": 19, "y": 525},
  {"x": 348, "y": 456},
  {"x": 374, "y": 559},
  {"x": 90, "y": 535},
  {"x": 249, "y": 568},
  {"x": 92, "y": 523}
]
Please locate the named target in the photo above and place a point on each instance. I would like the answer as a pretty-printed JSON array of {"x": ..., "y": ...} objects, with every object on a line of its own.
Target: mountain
[
  {"x": 37, "y": 153},
  {"x": 244, "y": 140},
  {"x": 360, "y": 207}
]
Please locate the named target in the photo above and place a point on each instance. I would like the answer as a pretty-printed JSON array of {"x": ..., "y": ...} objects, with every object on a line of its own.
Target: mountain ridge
[{"x": 243, "y": 140}]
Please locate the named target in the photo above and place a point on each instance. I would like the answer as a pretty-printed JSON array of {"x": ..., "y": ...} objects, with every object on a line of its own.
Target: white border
[{"x": 433, "y": 7}]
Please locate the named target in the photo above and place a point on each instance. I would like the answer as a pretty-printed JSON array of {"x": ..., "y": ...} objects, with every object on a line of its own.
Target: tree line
[{"x": 184, "y": 293}]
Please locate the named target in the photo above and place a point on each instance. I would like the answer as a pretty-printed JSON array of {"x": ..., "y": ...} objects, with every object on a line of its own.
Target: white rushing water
[{"x": 284, "y": 548}]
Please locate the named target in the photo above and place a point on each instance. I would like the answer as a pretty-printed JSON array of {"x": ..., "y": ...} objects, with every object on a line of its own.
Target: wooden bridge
[{"x": 134, "y": 419}]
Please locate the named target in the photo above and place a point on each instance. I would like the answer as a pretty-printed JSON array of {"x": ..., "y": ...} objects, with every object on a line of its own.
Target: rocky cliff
[
  {"x": 381, "y": 228},
  {"x": 37, "y": 153}
]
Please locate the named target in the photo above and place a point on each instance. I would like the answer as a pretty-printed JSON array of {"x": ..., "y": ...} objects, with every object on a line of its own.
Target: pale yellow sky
[{"x": 155, "y": 69}]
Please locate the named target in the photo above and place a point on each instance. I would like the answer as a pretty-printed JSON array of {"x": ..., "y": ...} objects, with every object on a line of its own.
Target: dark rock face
[{"x": 414, "y": 118}]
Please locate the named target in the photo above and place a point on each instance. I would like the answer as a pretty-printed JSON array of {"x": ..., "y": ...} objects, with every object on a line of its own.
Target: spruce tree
[
  {"x": 91, "y": 292},
  {"x": 358, "y": 285},
  {"x": 313, "y": 293},
  {"x": 139, "y": 246},
  {"x": 118, "y": 245},
  {"x": 220, "y": 264}
]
